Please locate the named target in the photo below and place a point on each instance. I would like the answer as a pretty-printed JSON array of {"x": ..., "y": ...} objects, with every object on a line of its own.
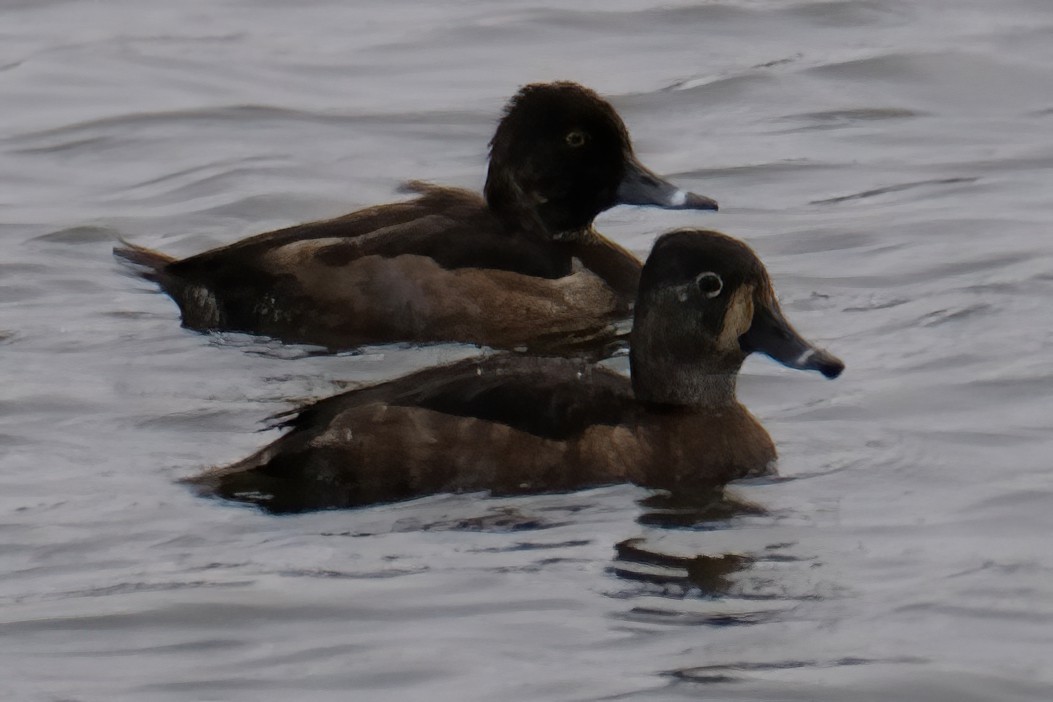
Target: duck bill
[
  {"x": 771, "y": 334},
  {"x": 641, "y": 186}
]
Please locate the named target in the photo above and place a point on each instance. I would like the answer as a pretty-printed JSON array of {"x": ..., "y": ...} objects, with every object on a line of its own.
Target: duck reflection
[
  {"x": 697, "y": 510},
  {"x": 639, "y": 560},
  {"x": 710, "y": 574}
]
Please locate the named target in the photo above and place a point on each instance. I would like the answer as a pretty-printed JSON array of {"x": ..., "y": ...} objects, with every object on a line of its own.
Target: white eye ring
[{"x": 711, "y": 284}]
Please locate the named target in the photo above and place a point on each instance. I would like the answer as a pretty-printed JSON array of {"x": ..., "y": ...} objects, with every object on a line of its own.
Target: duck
[
  {"x": 518, "y": 424},
  {"x": 520, "y": 267}
]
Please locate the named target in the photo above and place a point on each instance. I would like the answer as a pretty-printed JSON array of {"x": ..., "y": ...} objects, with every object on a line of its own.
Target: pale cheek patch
[
  {"x": 738, "y": 318},
  {"x": 678, "y": 198}
]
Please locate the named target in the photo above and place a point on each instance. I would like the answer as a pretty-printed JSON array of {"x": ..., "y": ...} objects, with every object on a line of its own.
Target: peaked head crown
[
  {"x": 561, "y": 155},
  {"x": 678, "y": 257},
  {"x": 550, "y": 109}
]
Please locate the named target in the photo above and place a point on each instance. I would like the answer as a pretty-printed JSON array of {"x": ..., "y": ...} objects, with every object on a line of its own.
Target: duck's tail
[{"x": 151, "y": 263}]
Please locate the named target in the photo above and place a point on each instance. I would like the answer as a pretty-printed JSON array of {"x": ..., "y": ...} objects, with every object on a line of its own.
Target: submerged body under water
[{"x": 890, "y": 163}]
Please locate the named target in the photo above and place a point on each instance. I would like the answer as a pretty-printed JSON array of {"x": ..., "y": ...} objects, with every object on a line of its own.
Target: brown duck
[
  {"x": 518, "y": 424},
  {"x": 521, "y": 268}
]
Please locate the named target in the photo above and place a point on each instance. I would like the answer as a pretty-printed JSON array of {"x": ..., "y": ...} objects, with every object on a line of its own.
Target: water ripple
[{"x": 899, "y": 187}]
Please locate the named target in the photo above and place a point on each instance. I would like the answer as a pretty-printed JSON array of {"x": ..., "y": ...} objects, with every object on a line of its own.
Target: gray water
[{"x": 890, "y": 161}]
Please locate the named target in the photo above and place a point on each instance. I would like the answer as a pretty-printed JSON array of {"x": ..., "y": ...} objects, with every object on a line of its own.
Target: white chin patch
[{"x": 678, "y": 198}]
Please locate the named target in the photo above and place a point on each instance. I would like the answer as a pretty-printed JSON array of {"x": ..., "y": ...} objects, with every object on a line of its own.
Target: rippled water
[{"x": 890, "y": 160}]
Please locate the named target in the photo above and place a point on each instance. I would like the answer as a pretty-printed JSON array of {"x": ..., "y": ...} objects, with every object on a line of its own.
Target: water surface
[{"x": 890, "y": 161}]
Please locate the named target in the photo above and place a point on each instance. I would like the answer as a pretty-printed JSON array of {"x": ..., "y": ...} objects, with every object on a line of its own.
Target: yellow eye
[{"x": 576, "y": 139}]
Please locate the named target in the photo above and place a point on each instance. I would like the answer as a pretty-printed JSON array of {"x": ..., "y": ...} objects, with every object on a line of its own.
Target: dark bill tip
[
  {"x": 823, "y": 361},
  {"x": 698, "y": 202},
  {"x": 641, "y": 186},
  {"x": 772, "y": 335}
]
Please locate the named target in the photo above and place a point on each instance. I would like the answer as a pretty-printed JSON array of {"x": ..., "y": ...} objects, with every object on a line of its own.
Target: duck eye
[
  {"x": 575, "y": 139},
  {"x": 710, "y": 284}
]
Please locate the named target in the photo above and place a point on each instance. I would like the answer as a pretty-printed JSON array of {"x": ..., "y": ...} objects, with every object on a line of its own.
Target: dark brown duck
[
  {"x": 522, "y": 267},
  {"x": 517, "y": 424}
]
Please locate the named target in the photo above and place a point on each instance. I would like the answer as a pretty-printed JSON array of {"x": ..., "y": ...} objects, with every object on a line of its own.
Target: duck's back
[
  {"x": 508, "y": 424},
  {"x": 451, "y": 225},
  {"x": 436, "y": 268}
]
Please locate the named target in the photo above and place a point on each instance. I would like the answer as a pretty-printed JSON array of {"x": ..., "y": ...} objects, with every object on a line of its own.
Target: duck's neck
[
  {"x": 525, "y": 212},
  {"x": 670, "y": 366},
  {"x": 684, "y": 384}
]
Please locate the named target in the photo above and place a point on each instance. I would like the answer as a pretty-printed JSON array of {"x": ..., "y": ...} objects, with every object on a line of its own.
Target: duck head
[
  {"x": 561, "y": 155},
  {"x": 705, "y": 303}
]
